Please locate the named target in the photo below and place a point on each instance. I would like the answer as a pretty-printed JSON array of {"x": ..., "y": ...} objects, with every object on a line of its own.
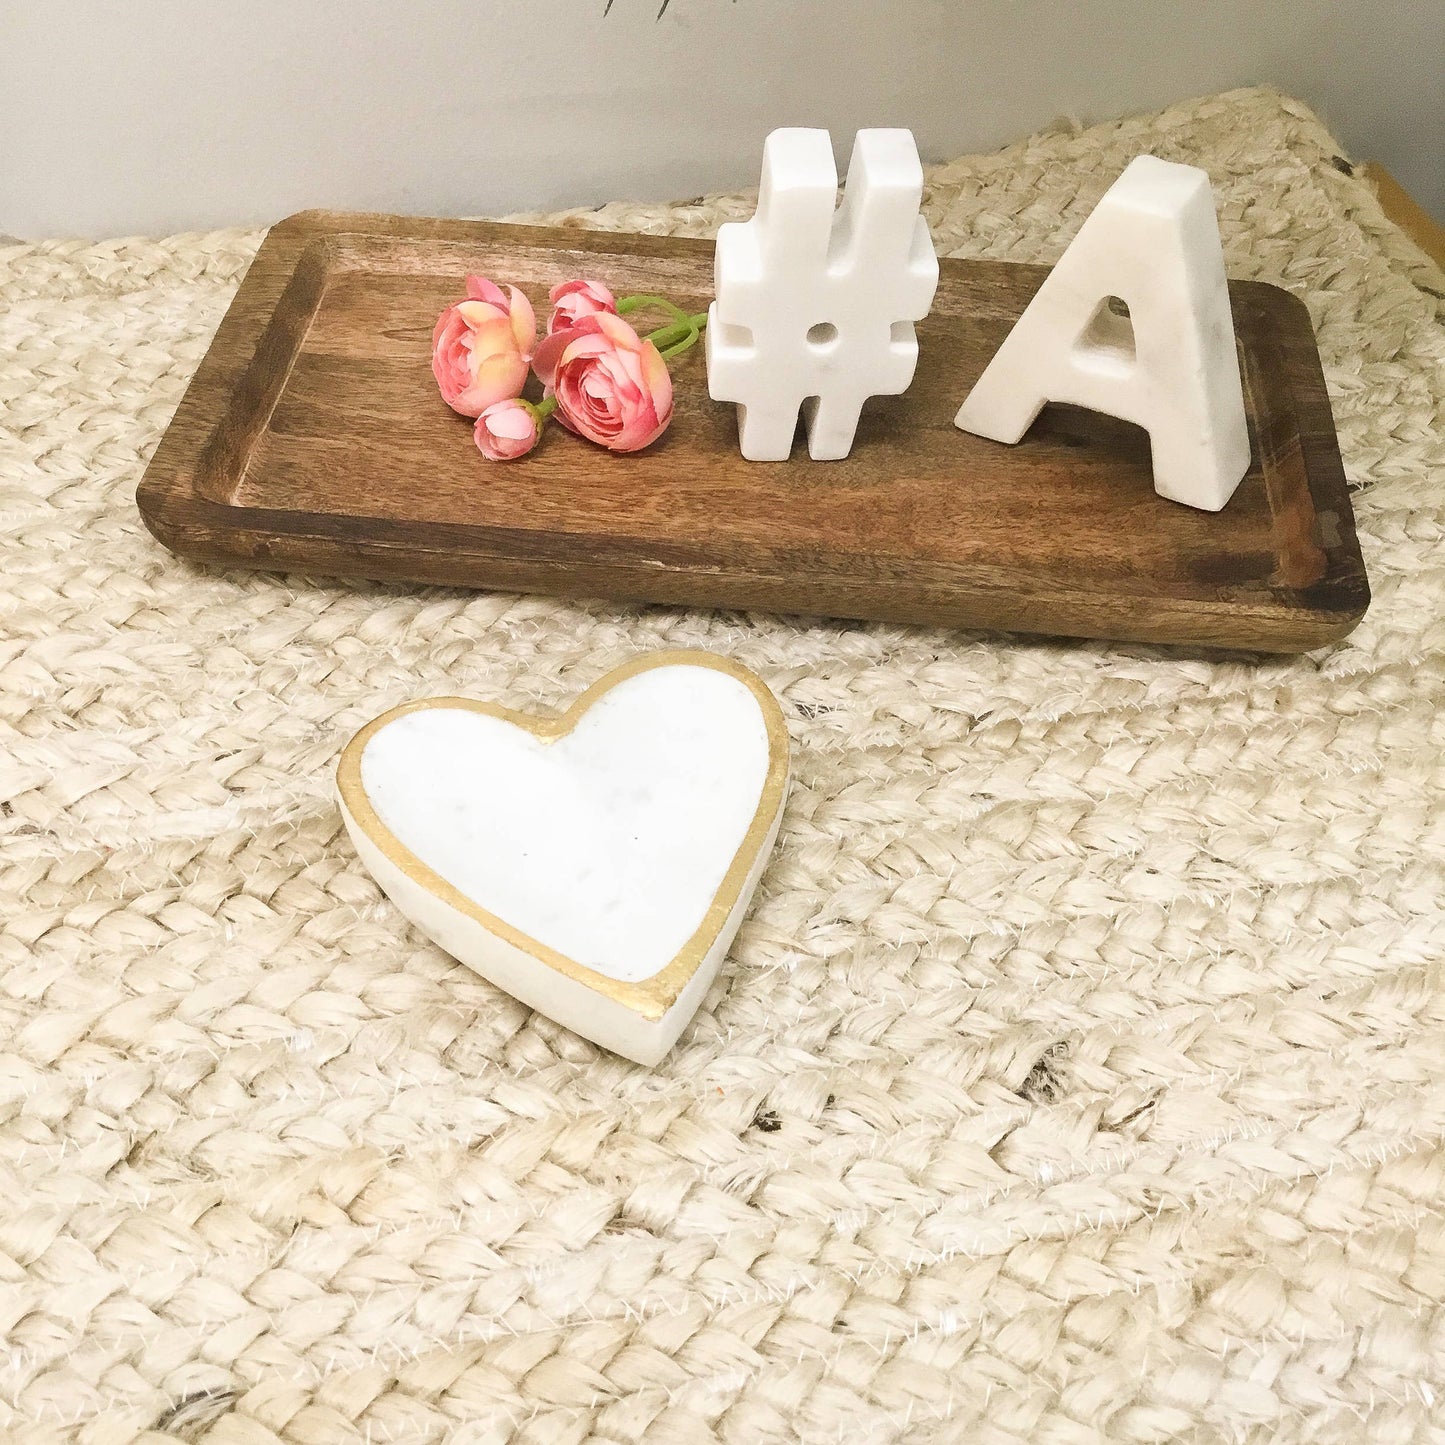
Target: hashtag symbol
[{"x": 815, "y": 307}]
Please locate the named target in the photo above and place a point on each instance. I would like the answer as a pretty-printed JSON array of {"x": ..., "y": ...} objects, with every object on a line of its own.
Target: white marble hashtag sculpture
[{"x": 815, "y": 307}]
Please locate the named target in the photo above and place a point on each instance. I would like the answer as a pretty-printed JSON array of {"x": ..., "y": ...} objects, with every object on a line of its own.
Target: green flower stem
[
  {"x": 679, "y": 334},
  {"x": 675, "y": 339},
  {"x": 541, "y": 410},
  {"x": 668, "y": 352},
  {"x": 629, "y": 304}
]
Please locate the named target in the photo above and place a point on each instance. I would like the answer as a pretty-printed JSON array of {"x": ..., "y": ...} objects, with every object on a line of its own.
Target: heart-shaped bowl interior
[{"x": 649, "y": 996}]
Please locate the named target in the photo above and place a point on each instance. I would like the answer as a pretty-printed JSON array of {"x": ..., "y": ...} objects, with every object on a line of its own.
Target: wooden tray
[{"x": 313, "y": 439}]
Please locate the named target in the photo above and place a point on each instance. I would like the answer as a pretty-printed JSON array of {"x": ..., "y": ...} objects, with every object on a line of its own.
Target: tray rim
[{"x": 193, "y": 524}]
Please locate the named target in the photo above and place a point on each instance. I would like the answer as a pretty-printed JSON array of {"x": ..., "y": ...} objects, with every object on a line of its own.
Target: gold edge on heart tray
[{"x": 650, "y": 997}]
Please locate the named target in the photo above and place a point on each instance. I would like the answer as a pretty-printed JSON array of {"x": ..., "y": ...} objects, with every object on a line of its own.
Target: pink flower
[
  {"x": 572, "y": 300},
  {"x": 611, "y": 386},
  {"x": 506, "y": 430},
  {"x": 481, "y": 347}
]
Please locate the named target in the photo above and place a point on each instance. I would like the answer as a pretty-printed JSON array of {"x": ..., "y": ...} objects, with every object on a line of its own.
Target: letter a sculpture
[{"x": 1169, "y": 367}]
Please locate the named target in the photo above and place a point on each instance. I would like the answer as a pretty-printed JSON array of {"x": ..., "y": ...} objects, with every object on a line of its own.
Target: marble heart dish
[{"x": 595, "y": 865}]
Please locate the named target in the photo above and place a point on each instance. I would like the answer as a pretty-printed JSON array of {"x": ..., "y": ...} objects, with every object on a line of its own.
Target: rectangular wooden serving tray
[{"x": 313, "y": 439}]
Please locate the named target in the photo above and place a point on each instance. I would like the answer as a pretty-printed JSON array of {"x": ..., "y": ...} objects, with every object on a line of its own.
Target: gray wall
[{"x": 160, "y": 115}]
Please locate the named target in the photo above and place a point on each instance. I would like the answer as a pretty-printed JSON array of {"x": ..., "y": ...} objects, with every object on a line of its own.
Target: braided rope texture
[{"x": 1077, "y": 1076}]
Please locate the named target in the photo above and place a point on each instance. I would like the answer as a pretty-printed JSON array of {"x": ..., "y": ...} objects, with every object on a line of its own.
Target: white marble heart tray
[{"x": 595, "y": 865}]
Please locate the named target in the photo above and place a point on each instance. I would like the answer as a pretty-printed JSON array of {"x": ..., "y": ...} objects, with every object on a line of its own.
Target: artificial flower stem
[
  {"x": 668, "y": 352},
  {"x": 669, "y": 335},
  {"x": 637, "y": 303},
  {"x": 675, "y": 339}
]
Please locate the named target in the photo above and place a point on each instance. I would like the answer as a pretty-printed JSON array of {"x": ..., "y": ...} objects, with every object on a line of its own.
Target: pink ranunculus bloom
[
  {"x": 572, "y": 300},
  {"x": 506, "y": 430},
  {"x": 611, "y": 386},
  {"x": 482, "y": 346}
]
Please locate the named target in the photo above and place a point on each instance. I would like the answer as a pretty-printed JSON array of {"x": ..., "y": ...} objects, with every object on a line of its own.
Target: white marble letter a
[
  {"x": 815, "y": 311},
  {"x": 1170, "y": 366}
]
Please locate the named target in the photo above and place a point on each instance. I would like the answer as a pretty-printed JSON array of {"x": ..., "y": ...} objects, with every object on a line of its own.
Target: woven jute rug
[{"x": 1079, "y": 1076}]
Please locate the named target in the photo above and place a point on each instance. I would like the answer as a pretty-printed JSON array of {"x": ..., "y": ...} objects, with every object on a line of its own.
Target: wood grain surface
[{"x": 313, "y": 440}]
